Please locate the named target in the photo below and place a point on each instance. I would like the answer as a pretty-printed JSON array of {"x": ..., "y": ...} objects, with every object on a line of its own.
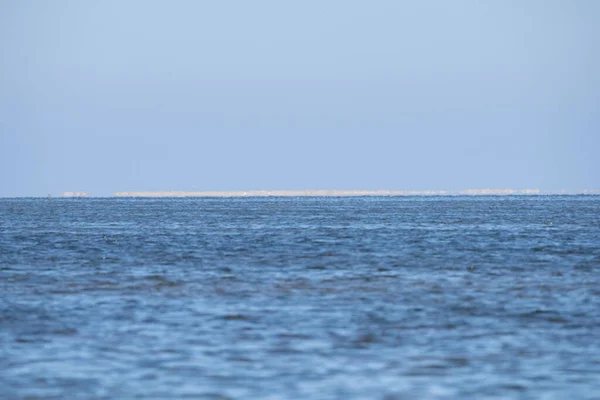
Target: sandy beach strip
[{"x": 323, "y": 193}]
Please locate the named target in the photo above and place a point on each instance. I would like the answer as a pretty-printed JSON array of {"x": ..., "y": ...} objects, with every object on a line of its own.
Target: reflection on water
[{"x": 386, "y": 298}]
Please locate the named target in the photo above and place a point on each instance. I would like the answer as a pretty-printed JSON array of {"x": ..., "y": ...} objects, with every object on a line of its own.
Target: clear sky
[{"x": 105, "y": 96}]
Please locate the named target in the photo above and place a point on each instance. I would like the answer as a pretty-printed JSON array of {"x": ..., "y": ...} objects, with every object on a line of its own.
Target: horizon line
[
  {"x": 333, "y": 193},
  {"x": 319, "y": 193}
]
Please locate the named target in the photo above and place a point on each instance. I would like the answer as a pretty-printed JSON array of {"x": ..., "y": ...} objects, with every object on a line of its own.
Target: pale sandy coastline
[
  {"x": 274, "y": 193},
  {"x": 332, "y": 193},
  {"x": 325, "y": 193}
]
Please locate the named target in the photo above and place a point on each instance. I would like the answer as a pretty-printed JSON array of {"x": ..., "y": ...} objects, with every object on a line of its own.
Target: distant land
[
  {"x": 319, "y": 193},
  {"x": 74, "y": 194}
]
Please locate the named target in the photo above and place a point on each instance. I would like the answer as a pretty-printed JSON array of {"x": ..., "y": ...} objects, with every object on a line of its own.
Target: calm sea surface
[{"x": 289, "y": 298}]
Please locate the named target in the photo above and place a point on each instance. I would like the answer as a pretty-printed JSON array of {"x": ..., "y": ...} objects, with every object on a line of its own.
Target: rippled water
[{"x": 366, "y": 298}]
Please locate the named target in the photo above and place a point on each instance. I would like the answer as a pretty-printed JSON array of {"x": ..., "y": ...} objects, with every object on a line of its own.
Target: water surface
[{"x": 276, "y": 298}]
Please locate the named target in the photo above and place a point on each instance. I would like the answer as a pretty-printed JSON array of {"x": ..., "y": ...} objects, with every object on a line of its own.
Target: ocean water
[{"x": 289, "y": 298}]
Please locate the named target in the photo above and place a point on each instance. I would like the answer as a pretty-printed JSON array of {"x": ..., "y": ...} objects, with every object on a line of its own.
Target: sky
[{"x": 107, "y": 96}]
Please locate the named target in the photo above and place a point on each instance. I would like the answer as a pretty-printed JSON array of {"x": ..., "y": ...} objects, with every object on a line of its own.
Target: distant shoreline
[
  {"x": 344, "y": 193},
  {"x": 322, "y": 193}
]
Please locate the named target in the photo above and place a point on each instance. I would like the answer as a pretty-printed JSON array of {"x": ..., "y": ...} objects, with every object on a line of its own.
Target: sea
[{"x": 414, "y": 297}]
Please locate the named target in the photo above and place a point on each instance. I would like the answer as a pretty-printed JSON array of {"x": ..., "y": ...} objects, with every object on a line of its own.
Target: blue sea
[{"x": 300, "y": 298}]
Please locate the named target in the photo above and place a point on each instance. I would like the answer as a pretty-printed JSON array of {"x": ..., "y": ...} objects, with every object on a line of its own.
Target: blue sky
[{"x": 237, "y": 95}]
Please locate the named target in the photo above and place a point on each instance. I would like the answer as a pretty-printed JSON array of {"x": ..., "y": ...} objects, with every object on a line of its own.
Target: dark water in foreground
[{"x": 328, "y": 298}]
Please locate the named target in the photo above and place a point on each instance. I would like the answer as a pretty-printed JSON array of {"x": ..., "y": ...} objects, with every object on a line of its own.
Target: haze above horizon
[{"x": 191, "y": 96}]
